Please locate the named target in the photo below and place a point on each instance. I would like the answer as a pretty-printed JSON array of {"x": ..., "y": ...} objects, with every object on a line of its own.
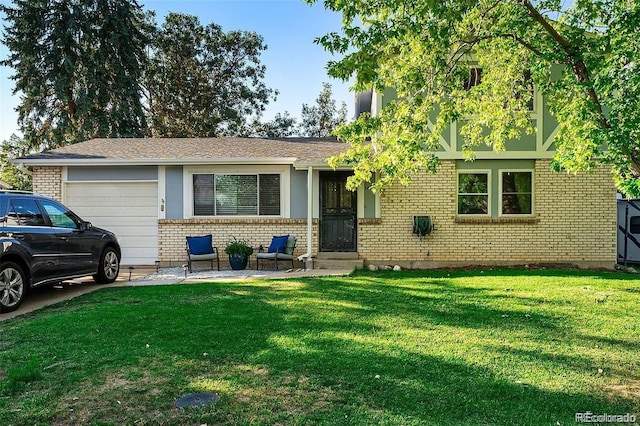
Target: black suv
[{"x": 43, "y": 242}]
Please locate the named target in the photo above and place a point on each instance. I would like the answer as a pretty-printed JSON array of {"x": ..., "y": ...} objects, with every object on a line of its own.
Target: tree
[
  {"x": 203, "y": 82},
  {"x": 282, "y": 126},
  {"x": 15, "y": 147},
  {"x": 321, "y": 119},
  {"x": 584, "y": 59},
  {"x": 78, "y": 66}
]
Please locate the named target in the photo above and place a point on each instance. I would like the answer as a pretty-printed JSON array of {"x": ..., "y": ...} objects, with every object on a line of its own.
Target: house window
[
  {"x": 474, "y": 78},
  {"x": 473, "y": 193},
  {"x": 236, "y": 194},
  {"x": 516, "y": 192}
]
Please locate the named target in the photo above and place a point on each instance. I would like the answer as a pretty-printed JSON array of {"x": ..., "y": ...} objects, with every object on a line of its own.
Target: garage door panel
[
  {"x": 128, "y": 209},
  {"x": 111, "y": 189},
  {"x": 123, "y": 202},
  {"x": 133, "y": 222},
  {"x": 114, "y": 211},
  {"x": 137, "y": 241},
  {"x": 125, "y": 194},
  {"x": 129, "y": 230},
  {"x": 138, "y": 252}
]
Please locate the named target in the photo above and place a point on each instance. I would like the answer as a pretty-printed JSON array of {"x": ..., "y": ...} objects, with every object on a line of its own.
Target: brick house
[{"x": 502, "y": 209}]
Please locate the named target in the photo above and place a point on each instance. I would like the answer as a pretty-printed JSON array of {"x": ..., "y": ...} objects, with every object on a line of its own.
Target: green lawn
[{"x": 492, "y": 347}]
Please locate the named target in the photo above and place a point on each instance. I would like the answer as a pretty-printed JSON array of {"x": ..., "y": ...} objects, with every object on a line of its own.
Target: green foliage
[
  {"x": 202, "y": 81},
  {"x": 282, "y": 126},
  {"x": 15, "y": 147},
  {"x": 583, "y": 59},
  {"x": 77, "y": 67},
  {"x": 321, "y": 119},
  {"x": 237, "y": 246},
  {"x": 86, "y": 68}
]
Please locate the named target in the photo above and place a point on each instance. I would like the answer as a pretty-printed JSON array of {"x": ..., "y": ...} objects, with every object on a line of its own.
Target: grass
[{"x": 492, "y": 347}]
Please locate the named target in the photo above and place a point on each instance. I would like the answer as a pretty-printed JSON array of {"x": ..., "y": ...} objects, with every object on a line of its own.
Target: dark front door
[{"x": 338, "y": 213}]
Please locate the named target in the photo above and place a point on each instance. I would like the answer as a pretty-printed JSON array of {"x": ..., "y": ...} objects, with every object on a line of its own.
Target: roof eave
[
  {"x": 303, "y": 165},
  {"x": 60, "y": 162}
]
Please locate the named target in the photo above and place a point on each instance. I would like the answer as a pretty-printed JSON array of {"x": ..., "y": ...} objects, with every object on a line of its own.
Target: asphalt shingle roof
[{"x": 311, "y": 151}]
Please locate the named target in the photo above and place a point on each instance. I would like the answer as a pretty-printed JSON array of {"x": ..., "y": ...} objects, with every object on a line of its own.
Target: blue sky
[{"x": 296, "y": 67}]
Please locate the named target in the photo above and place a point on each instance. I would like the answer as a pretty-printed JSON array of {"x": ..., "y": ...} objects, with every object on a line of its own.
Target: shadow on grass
[
  {"x": 436, "y": 302},
  {"x": 353, "y": 340},
  {"x": 495, "y": 272}
]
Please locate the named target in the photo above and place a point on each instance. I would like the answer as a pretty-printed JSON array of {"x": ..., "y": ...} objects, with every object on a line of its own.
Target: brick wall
[
  {"x": 48, "y": 181},
  {"x": 574, "y": 222},
  {"x": 172, "y": 233}
]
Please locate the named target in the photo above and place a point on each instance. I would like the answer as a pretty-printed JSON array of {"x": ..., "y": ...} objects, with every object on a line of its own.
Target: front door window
[{"x": 338, "y": 213}]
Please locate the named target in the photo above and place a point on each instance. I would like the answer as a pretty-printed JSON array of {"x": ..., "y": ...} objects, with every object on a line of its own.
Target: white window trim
[
  {"x": 533, "y": 192},
  {"x": 162, "y": 192},
  {"x": 285, "y": 186},
  {"x": 489, "y": 194}
]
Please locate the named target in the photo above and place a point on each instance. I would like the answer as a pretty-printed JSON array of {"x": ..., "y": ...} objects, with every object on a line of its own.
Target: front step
[
  {"x": 344, "y": 255},
  {"x": 337, "y": 260}
]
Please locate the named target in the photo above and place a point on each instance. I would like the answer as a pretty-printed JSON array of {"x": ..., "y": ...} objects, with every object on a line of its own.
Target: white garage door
[{"x": 128, "y": 209}]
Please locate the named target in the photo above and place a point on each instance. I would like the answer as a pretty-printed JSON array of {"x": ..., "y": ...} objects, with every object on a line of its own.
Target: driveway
[{"x": 40, "y": 297}]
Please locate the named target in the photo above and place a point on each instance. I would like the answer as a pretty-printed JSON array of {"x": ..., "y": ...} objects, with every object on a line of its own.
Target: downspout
[
  {"x": 24, "y": 169},
  {"x": 306, "y": 258}
]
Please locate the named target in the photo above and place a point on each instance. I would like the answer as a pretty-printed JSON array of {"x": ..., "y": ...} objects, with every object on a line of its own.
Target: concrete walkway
[{"x": 40, "y": 297}]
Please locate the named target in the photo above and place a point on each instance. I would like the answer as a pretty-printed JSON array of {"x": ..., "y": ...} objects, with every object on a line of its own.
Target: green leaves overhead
[{"x": 583, "y": 60}]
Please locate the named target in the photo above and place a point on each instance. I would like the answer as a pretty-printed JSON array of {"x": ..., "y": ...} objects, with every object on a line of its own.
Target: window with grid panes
[{"x": 236, "y": 194}]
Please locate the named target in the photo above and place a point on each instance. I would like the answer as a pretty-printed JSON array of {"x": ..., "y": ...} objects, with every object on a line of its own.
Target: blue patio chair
[
  {"x": 281, "y": 248},
  {"x": 201, "y": 248}
]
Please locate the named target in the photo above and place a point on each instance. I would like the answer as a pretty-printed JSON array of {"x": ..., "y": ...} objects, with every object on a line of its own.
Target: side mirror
[{"x": 85, "y": 226}]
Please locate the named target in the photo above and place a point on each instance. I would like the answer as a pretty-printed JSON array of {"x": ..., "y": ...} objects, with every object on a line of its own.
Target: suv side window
[
  {"x": 24, "y": 212},
  {"x": 59, "y": 216}
]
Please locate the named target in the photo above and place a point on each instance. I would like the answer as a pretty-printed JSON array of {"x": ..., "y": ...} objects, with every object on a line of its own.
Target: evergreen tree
[
  {"x": 321, "y": 119},
  {"x": 282, "y": 126},
  {"x": 78, "y": 66}
]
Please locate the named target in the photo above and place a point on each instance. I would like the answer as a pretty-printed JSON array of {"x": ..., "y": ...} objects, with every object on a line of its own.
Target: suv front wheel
[
  {"x": 109, "y": 267},
  {"x": 13, "y": 286}
]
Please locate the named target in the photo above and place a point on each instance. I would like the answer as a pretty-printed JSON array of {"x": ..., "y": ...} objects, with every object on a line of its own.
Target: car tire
[
  {"x": 13, "y": 286},
  {"x": 109, "y": 266}
]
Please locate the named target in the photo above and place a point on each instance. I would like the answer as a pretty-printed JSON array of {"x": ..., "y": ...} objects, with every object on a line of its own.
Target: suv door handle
[
  {"x": 18, "y": 235},
  {"x": 64, "y": 238}
]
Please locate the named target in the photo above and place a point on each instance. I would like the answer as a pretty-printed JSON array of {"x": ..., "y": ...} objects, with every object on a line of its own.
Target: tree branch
[{"x": 581, "y": 72}]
